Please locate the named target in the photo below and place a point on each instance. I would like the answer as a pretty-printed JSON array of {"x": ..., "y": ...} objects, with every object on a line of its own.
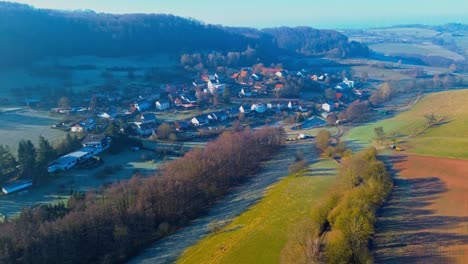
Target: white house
[
  {"x": 245, "y": 109},
  {"x": 349, "y": 83},
  {"x": 327, "y": 107},
  {"x": 246, "y": 92},
  {"x": 142, "y": 105},
  {"x": 200, "y": 121},
  {"x": 145, "y": 129},
  {"x": 84, "y": 125},
  {"x": 162, "y": 104},
  {"x": 259, "y": 108}
]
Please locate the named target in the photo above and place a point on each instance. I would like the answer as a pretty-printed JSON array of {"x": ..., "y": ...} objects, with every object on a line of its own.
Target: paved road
[{"x": 237, "y": 201}]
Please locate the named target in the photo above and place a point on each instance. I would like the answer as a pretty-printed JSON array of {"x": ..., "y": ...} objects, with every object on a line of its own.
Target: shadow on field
[{"x": 406, "y": 232}]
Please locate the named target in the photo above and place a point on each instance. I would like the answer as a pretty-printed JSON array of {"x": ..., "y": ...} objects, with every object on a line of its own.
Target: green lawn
[
  {"x": 446, "y": 140},
  {"x": 259, "y": 234}
]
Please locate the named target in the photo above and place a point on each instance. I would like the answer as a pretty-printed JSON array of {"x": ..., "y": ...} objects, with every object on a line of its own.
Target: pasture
[
  {"x": 259, "y": 234},
  {"x": 447, "y": 139}
]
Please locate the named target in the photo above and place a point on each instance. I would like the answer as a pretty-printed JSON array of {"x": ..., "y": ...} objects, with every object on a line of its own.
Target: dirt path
[{"x": 237, "y": 201}]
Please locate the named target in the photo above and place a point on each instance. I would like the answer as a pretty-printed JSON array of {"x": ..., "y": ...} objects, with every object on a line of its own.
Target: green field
[
  {"x": 259, "y": 234},
  {"x": 449, "y": 139}
]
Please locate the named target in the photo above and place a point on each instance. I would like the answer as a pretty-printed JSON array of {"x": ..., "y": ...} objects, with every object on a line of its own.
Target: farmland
[
  {"x": 426, "y": 219},
  {"x": 27, "y": 125},
  {"x": 260, "y": 234},
  {"x": 394, "y": 49},
  {"x": 448, "y": 139}
]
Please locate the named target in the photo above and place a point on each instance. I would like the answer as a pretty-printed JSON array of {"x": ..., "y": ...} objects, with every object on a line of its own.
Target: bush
[{"x": 297, "y": 167}]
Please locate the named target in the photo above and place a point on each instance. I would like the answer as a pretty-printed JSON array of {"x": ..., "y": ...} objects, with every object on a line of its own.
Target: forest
[
  {"x": 73, "y": 33},
  {"x": 111, "y": 225}
]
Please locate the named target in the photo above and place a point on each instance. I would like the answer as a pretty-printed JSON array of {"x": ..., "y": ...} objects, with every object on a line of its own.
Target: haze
[{"x": 263, "y": 13}]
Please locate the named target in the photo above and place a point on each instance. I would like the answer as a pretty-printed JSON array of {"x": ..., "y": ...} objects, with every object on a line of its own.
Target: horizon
[{"x": 320, "y": 14}]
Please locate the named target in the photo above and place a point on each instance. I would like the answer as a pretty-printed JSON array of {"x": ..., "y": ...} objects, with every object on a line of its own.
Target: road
[{"x": 237, "y": 201}]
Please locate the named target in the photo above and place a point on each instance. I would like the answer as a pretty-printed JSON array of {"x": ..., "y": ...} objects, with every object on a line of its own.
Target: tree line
[
  {"x": 348, "y": 214},
  {"x": 111, "y": 225}
]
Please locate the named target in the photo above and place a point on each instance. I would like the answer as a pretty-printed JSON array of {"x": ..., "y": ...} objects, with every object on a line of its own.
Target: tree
[
  {"x": 379, "y": 134},
  {"x": 164, "y": 131},
  {"x": 331, "y": 119},
  {"x": 227, "y": 95},
  {"x": 7, "y": 163},
  {"x": 45, "y": 154},
  {"x": 330, "y": 93},
  {"x": 322, "y": 139},
  {"x": 431, "y": 119},
  {"x": 26, "y": 158},
  {"x": 64, "y": 102},
  {"x": 385, "y": 91},
  {"x": 364, "y": 76}
]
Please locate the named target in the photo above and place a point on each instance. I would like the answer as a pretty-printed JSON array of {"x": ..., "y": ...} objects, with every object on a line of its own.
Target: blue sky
[{"x": 266, "y": 13}]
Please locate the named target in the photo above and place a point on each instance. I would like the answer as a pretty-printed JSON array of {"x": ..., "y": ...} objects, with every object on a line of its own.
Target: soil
[{"x": 426, "y": 218}]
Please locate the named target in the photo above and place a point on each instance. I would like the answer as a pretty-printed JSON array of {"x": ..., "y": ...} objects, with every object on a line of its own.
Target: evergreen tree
[
  {"x": 45, "y": 154},
  {"x": 7, "y": 163},
  {"x": 26, "y": 158}
]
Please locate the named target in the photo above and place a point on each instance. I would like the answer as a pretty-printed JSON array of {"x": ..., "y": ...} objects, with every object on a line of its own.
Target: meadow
[
  {"x": 447, "y": 139},
  {"x": 261, "y": 233}
]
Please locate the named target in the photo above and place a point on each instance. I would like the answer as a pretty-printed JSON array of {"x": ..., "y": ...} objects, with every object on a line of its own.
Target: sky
[{"x": 270, "y": 13}]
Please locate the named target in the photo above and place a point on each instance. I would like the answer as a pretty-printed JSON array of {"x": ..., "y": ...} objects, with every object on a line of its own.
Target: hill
[{"x": 65, "y": 33}]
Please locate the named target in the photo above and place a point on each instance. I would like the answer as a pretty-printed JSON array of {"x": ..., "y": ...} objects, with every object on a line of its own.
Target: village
[
  {"x": 213, "y": 102},
  {"x": 202, "y": 109}
]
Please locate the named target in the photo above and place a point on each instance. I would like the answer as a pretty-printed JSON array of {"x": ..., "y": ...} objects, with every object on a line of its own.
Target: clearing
[
  {"x": 426, "y": 218},
  {"x": 259, "y": 234}
]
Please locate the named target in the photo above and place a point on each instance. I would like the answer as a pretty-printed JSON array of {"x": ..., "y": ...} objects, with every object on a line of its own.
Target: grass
[
  {"x": 259, "y": 234},
  {"x": 446, "y": 140}
]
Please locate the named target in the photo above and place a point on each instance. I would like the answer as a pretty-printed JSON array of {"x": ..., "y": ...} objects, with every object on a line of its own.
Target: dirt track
[{"x": 237, "y": 201}]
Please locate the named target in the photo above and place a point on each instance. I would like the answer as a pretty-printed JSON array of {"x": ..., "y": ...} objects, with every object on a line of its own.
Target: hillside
[{"x": 65, "y": 33}]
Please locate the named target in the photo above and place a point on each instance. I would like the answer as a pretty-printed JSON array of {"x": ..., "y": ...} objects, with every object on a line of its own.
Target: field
[
  {"x": 426, "y": 219},
  {"x": 395, "y": 49},
  {"x": 449, "y": 139},
  {"x": 259, "y": 234},
  {"x": 15, "y": 126}
]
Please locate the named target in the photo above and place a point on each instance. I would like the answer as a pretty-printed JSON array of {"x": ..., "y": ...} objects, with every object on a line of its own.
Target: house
[
  {"x": 181, "y": 125},
  {"x": 188, "y": 99},
  {"x": 162, "y": 104},
  {"x": 145, "y": 129},
  {"x": 99, "y": 141},
  {"x": 245, "y": 109},
  {"x": 245, "y": 92},
  {"x": 279, "y": 86},
  {"x": 218, "y": 116},
  {"x": 87, "y": 124},
  {"x": 328, "y": 107},
  {"x": 17, "y": 186},
  {"x": 232, "y": 112},
  {"x": 142, "y": 106},
  {"x": 348, "y": 83},
  {"x": 258, "y": 108},
  {"x": 277, "y": 105},
  {"x": 108, "y": 115},
  {"x": 200, "y": 120},
  {"x": 293, "y": 104},
  {"x": 216, "y": 87},
  {"x": 148, "y": 118}
]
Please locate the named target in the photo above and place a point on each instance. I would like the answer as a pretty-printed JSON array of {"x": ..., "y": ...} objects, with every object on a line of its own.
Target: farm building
[
  {"x": 93, "y": 145},
  {"x": 16, "y": 186}
]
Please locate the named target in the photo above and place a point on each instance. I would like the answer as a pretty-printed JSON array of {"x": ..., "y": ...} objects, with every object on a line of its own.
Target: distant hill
[{"x": 27, "y": 33}]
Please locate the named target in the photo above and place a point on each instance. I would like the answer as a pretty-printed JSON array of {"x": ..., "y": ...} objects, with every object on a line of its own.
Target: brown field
[{"x": 426, "y": 218}]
